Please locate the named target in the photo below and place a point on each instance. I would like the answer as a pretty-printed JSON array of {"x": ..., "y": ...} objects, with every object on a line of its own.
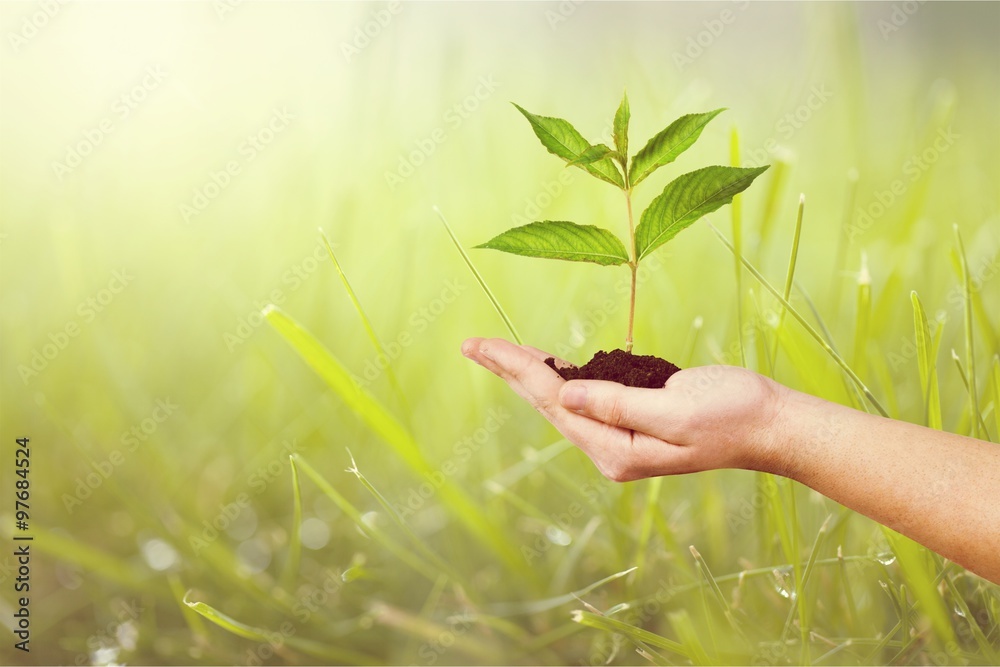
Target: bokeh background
[{"x": 164, "y": 171}]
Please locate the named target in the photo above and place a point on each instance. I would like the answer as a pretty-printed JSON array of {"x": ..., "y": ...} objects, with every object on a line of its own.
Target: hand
[{"x": 704, "y": 418}]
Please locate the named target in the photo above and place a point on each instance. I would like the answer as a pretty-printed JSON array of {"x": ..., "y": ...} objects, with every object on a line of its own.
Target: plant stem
[{"x": 633, "y": 266}]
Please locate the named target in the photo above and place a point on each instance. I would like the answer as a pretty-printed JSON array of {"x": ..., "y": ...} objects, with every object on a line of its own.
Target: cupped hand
[{"x": 703, "y": 418}]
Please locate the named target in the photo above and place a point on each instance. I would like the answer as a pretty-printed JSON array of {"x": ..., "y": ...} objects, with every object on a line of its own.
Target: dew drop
[{"x": 886, "y": 557}]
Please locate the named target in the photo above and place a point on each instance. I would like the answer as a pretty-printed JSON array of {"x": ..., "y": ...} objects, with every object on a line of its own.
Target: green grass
[{"x": 384, "y": 499}]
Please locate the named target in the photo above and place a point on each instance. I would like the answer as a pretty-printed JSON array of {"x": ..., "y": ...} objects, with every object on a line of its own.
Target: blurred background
[{"x": 164, "y": 171}]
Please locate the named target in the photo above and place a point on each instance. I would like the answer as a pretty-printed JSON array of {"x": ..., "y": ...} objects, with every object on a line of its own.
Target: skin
[{"x": 937, "y": 488}]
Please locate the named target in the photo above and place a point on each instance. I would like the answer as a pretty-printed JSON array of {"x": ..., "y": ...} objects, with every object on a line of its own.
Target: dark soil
[{"x": 633, "y": 370}]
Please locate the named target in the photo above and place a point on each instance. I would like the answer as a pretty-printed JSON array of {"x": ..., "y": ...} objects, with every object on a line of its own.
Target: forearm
[{"x": 937, "y": 488}]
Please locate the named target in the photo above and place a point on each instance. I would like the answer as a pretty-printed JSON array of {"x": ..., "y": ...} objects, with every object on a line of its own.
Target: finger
[
  {"x": 528, "y": 375},
  {"x": 536, "y": 383},
  {"x": 543, "y": 355},
  {"x": 644, "y": 410}
]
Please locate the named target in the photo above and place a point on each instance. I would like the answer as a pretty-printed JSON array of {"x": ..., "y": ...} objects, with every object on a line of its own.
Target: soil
[{"x": 633, "y": 370}]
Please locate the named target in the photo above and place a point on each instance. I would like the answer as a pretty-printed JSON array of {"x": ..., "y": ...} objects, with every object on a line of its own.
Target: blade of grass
[
  {"x": 780, "y": 170},
  {"x": 974, "y": 417},
  {"x": 812, "y": 332},
  {"x": 790, "y": 274},
  {"x": 192, "y": 619},
  {"x": 691, "y": 340},
  {"x": 798, "y": 573},
  {"x": 641, "y": 648},
  {"x": 680, "y": 621},
  {"x": 996, "y": 392},
  {"x": 599, "y": 622},
  {"x": 479, "y": 278},
  {"x": 383, "y": 424},
  {"x": 532, "y": 461},
  {"x": 850, "y": 603},
  {"x": 291, "y": 570},
  {"x": 309, "y": 647},
  {"x": 736, "y": 209},
  {"x": 970, "y": 354},
  {"x": 912, "y": 560},
  {"x": 476, "y": 650},
  {"x": 862, "y": 318},
  {"x": 706, "y": 575},
  {"x": 799, "y": 605},
  {"x": 927, "y": 362},
  {"x": 369, "y": 329},
  {"x": 568, "y": 564},
  {"x": 989, "y": 651},
  {"x": 845, "y": 225},
  {"x": 881, "y": 646},
  {"x": 650, "y": 509},
  {"x": 538, "y": 606},
  {"x": 778, "y": 519},
  {"x": 391, "y": 545},
  {"x": 849, "y": 386},
  {"x": 419, "y": 545}
]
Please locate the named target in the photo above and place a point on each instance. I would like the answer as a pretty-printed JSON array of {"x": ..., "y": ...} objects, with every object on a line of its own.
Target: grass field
[{"x": 210, "y": 485}]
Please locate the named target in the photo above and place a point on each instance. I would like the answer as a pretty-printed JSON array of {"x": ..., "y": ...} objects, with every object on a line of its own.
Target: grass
[{"x": 337, "y": 483}]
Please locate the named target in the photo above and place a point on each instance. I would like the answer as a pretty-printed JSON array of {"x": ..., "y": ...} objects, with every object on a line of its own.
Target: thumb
[{"x": 614, "y": 404}]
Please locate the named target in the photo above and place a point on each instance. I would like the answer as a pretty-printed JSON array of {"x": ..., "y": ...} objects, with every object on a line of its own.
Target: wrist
[
  {"x": 793, "y": 427},
  {"x": 803, "y": 428}
]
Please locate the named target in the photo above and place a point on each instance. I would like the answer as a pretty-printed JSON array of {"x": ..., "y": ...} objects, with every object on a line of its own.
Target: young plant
[{"x": 682, "y": 203}]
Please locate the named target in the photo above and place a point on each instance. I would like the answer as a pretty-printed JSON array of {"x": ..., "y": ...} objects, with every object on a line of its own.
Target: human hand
[{"x": 704, "y": 418}]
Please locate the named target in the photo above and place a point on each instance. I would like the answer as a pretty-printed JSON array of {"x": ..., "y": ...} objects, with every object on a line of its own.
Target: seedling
[{"x": 683, "y": 201}]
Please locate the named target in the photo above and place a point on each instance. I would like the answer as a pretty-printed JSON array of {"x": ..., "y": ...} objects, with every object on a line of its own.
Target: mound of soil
[{"x": 633, "y": 370}]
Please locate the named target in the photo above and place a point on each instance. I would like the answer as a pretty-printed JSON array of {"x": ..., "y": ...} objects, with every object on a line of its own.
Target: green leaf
[
  {"x": 686, "y": 199},
  {"x": 621, "y": 129},
  {"x": 561, "y": 240},
  {"x": 668, "y": 144},
  {"x": 563, "y": 140},
  {"x": 592, "y": 154}
]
